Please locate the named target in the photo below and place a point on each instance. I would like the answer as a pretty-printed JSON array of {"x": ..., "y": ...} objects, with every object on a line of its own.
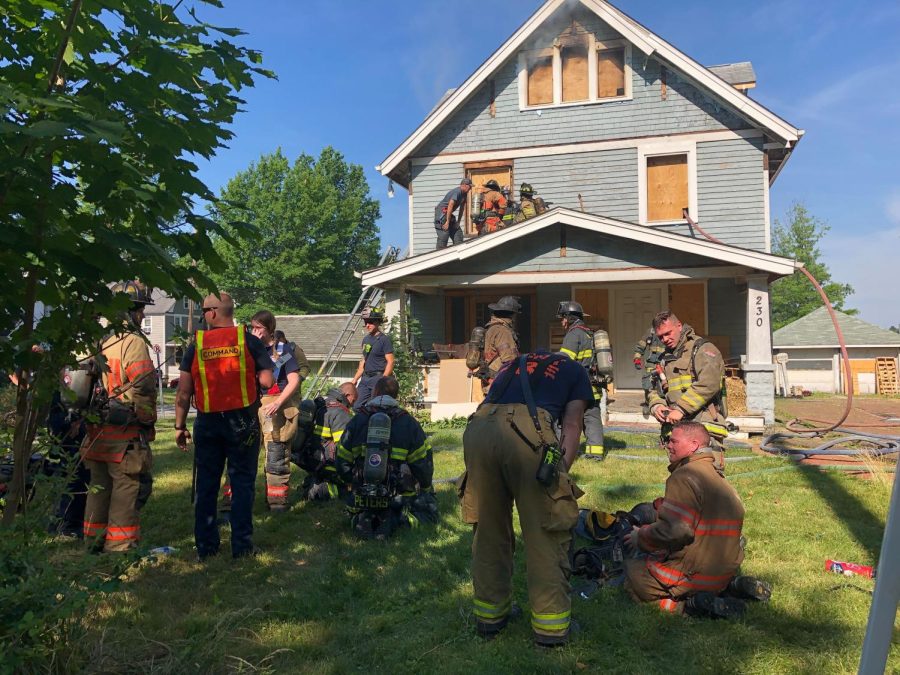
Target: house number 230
[{"x": 759, "y": 311}]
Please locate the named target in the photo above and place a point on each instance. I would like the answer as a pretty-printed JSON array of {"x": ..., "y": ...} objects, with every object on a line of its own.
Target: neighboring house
[
  {"x": 620, "y": 131},
  {"x": 162, "y": 322},
  {"x": 814, "y": 361},
  {"x": 316, "y": 333}
]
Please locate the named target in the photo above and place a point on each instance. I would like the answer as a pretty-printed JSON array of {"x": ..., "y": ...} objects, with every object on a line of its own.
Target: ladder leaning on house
[
  {"x": 886, "y": 375},
  {"x": 369, "y": 298}
]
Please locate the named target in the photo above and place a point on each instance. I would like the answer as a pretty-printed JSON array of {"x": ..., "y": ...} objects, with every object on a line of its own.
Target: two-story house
[
  {"x": 164, "y": 320},
  {"x": 621, "y": 131}
]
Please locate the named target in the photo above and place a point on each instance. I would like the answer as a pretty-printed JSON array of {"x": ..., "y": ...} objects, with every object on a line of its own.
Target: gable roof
[
  {"x": 735, "y": 74},
  {"x": 316, "y": 333},
  {"x": 816, "y": 330},
  {"x": 639, "y": 36},
  {"x": 644, "y": 234},
  {"x": 163, "y": 303}
]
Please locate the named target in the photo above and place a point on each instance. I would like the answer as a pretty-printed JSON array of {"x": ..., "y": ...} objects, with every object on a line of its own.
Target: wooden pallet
[{"x": 886, "y": 375}]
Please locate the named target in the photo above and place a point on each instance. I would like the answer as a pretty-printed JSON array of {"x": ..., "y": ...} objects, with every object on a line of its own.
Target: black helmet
[
  {"x": 526, "y": 190},
  {"x": 508, "y": 303},
  {"x": 139, "y": 293},
  {"x": 569, "y": 307},
  {"x": 373, "y": 317},
  {"x": 492, "y": 185}
]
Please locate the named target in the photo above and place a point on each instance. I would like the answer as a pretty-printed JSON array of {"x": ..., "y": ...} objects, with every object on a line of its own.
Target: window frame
[
  {"x": 688, "y": 148},
  {"x": 594, "y": 46},
  {"x": 147, "y": 325}
]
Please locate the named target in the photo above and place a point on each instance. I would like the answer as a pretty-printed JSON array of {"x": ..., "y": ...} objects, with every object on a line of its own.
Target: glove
[
  {"x": 630, "y": 541},
  {"x": 637, "y": 363}
]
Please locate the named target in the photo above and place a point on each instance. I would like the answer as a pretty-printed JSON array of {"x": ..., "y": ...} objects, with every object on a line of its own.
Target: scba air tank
[
  {"x": 476, "y": 347},
  {"x": 306, "y": 418},
  {"x": 378, "y": 449},
  {"x": 603, "y": 353},
  {"x": 477, "y": 200}
]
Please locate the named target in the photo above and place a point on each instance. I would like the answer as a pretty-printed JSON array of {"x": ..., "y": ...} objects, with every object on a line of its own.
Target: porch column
[
  {"x": 759, "y": 371},
  {"x": 394, "y": 303}
]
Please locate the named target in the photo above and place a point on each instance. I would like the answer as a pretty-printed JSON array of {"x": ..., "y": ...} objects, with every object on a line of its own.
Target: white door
[{"x": 634, "y": 312}]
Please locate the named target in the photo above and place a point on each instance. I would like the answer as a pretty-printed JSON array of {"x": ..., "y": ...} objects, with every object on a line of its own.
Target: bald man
[{"x": 222, "y": 371}]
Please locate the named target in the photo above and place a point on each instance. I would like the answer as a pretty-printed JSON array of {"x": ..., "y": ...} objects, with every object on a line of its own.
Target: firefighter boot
[
  {"x": 708, "y": 605},
  {"x": 749, "y": 588},
  {"x": 489, "y": 631}
]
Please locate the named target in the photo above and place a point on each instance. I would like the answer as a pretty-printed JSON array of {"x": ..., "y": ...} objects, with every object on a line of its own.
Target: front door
[{"x": 635, "y": 309}]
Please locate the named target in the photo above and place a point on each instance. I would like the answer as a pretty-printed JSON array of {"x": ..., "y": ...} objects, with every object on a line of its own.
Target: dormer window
[{"x": 576, "y": 69}]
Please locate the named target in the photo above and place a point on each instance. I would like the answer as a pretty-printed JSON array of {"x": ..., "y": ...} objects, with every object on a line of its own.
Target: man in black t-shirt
[
  {"x": 377, "y": 360},
  {"x": 445, "y": 223}
]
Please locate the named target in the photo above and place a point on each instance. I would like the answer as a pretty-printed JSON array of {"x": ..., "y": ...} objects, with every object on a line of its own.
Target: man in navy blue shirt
[
  {"x": 377, "y": 360},
  {"x": 504, "y": 448}
]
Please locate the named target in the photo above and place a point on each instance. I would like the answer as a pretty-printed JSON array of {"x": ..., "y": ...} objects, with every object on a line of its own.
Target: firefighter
[
  {"x": 529, "y": 205},
  {"x": 377, "y": 360},
  {"x": 446, "y": 223},
  {"x": 501, "y": 344},
  {"x": 389, "y": 466},
  {"x": 222, "y": 371},
  {"x": 492, "y": 209},
  {"x": 511, "y": 455},
  {"x": 332, "y": 419},
  {"x": 66, "y": 429},
  {"x": 647, "y": 353},
  {"x": 116, "y": 451},
  {"x": 279, "y": 408},
  {"x": 689, "y": 381},
  {"x": 692, "y": 550},
  {"x": 578, "y": 345}
]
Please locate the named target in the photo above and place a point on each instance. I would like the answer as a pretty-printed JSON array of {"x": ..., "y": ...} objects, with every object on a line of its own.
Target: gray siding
[
  {"x": 607, "y": 181},
  {"x": 428, "y": 310},
  {"x": 731, "y": 193},
  {"x": 686, "y": 108},
  {"x": 727, "y": 305},
  {"x": 429, "y": 185}
]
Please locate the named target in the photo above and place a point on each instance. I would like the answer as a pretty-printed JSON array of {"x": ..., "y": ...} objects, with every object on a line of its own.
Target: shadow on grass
[{"x": 863, "y": 524}]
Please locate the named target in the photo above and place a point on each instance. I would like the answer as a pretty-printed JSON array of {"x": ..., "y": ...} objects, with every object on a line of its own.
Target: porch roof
[{"x": 722, "y": 257}]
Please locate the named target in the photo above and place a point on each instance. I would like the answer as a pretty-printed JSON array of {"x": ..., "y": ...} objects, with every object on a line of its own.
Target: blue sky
[{"x": 361, "y": 75}]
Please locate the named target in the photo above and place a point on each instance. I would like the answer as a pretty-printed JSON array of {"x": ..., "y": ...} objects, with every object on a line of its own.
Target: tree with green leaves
[
  {"x": 794, "y": 297},
  {"x": 316, "y": 225},
  {"x": 103, "y": 105}
]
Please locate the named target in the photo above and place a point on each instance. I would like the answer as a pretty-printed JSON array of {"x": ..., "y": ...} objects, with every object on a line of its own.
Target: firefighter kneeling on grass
[
  {"x": 387, "y": 458},
  {"x": 686, "y": 557}
]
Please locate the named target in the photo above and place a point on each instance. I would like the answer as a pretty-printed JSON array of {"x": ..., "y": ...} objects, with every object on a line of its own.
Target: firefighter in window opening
[
  {"x": 512, "y": 456},
  {"x": 686, "y": 557},
  {"x": 647, "y": 353},
  {"x": 689, "y": 382},
  {"x": 386, "y": 457},
  {"x": 222, "y": 371},
  {"x": 377, "y": 359},
  {"x": 493, "y": 206},
  {"x": 529, "y": 205},
  {"x": 501, "y": 344},
  {"x": 318, "y": 456},
  {"x": 116, "y": 450},
  {"x": 579, "y": 345},
  {"x": 446, "y": 224}
]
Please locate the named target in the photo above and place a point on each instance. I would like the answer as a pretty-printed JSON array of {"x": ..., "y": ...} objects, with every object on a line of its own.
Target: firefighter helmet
[
  {"x": 526, "y": 190},
  {"x": 373, "y": 317},
  {"x": 508, "y": 303},
  {"x": 492, "y": 185},
  {"x": 139, "y": 292},
  {"x": 568, "y": 307}
]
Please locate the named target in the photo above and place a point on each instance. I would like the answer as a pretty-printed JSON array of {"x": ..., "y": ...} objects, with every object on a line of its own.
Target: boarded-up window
[
  {"x": 574, "y": 59},
  {"x": 611, "y": 73},
  {"x": 540, "y": 80},
  {"x": 481, "y": 173},
  {"x": 667, "y": 187}
]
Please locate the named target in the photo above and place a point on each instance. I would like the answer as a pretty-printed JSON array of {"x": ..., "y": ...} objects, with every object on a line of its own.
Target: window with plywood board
[
  {"x": 611, "y": 72},
  {"x": 480, "y": 173},
  {"x": 667, "y": 187},
  {"x": 540, "y": 79},
  {"x": 575, "y": 77},
  {"x": 688, "y": 301}
]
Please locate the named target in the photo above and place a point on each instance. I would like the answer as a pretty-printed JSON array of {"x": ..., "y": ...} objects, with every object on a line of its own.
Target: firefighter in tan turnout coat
[{"x": 501, "y": 344}]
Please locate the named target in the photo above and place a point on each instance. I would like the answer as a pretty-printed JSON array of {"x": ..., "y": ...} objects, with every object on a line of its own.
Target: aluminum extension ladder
[{"x": 369, "y": 298}]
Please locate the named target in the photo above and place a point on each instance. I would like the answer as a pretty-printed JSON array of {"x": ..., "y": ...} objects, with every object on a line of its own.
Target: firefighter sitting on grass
[{"x": 387, "y": 458}]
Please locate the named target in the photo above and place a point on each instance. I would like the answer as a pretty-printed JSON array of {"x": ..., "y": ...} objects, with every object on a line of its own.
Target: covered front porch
[{"x": 622, "y": 273}]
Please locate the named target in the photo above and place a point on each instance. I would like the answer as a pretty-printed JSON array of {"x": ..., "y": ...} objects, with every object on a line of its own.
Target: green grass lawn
[{"x": 319, "y": 601}]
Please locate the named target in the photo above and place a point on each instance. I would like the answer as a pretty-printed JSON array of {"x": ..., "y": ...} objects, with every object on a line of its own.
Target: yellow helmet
[{"x": 139, "y": 292}]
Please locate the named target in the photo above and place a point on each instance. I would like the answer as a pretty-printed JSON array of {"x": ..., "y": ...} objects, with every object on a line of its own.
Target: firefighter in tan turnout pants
[
  {"x": 512, "y": 456},
  {"x": 117, "y": 451},
  {"x": 501, "y": 344},
  {"x": 689, "y": 381}
]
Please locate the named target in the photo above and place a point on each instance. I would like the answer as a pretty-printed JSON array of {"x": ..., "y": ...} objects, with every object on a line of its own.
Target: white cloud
[
  {"x": 869, "y": 263},
  {"x": 892, "y": 207}
]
